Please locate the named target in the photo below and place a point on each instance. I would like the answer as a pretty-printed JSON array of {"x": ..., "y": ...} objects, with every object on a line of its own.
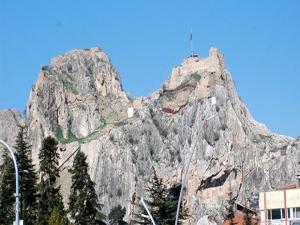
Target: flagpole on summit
[{"x": 191, "y": 43}]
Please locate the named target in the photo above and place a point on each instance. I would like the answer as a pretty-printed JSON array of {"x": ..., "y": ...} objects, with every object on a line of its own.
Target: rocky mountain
[{"x": 195, "y": 121}]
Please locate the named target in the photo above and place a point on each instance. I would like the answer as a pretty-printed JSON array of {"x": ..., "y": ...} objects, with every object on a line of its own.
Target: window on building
[
  {"x": 276, "y": 214},
  {"x": 294, "y": 213},
  {"x": 269, "y": 214},
  {"x": 297, "y": 212}
]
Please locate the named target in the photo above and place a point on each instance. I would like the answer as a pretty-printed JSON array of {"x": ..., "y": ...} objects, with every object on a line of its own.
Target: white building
[
  {"x": 280, "y": 207},
  {"x": 130, "y": 112}
]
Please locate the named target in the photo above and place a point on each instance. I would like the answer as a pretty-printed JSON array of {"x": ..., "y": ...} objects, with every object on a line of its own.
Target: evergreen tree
[
  {"x": 7, "y": 190},
  {"x": 156, "y": 191},
  {"x": 229, "y": 209},
  {"x": 172, "y": 202},
  {"x": 49, "y": 196},
  {"x": 116, "y": 216},
  {"x": 100, "y": 218},
  {"x": 162, "y": 203},
  {"x": 83, "y": 202},
  {"x": 56, "y": 218},
  {"x": 28, "y": 179}
]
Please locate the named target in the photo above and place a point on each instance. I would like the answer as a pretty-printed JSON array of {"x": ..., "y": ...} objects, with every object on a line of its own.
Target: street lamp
[
  {"x": 148, "y": 211},
  {"x": 17, "y": 180}
]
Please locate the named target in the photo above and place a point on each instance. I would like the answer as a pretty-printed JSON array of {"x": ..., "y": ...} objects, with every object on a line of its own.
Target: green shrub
[
  {"x": 102, "y": 123},
  {"x": 195, "y": 76},
  {"x": 168, "y": 94},
  {"x": 120, "y": 123},
  {"x": 59, "y": 133},
  {"x": 72, "y": 137},
  {"x": 66, "y": 80},
  {"x": 183, "y": 84},
  {"x": 60, "y": 136}
]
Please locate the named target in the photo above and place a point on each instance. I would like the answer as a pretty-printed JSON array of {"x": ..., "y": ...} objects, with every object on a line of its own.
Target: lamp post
[
  {"x": 17, "y": 181},
  {"x": 148, "y": 211}
]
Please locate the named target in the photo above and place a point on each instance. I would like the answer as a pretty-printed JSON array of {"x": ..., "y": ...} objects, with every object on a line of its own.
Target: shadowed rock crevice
[{"x": 216, "y": 180}]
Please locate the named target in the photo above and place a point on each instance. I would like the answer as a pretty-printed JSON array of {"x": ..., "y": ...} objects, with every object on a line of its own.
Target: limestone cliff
[
  {"x": 9, "y": 121},
  {"x": 73, "y": 95},
  {"x": 79, "y": 99}
]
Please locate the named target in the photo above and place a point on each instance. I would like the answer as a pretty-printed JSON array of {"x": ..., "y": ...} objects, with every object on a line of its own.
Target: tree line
[
  {"x": 42, "y": 203},
  {"x": 40, "y": 199}
]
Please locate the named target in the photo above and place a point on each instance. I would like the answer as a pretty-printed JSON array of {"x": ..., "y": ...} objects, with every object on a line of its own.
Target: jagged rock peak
[
  {"x": 83, "y": 71},
  {"x": 195, "y": 79},
  {"x": 87, "y": 52},
  {"x": 72, "y": 93},
  {"x": 213, "y": 64}
]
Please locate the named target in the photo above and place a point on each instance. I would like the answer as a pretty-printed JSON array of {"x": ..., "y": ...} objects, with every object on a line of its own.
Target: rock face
[
  {"x": 72, "y": 95},
  {"x": 79, "y": 99},
  {"x": 9, "y": 121}
]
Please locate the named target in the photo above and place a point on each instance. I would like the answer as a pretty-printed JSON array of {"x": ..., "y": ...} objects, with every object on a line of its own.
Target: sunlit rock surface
[{"x": 79, "y": 99}]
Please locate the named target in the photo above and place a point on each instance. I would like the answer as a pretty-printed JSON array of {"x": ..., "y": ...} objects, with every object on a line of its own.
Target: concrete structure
[
  {"x": 280, "y": 207},
  {"x": 213, "y": 101},
  {"x": 130, "y": 112}
]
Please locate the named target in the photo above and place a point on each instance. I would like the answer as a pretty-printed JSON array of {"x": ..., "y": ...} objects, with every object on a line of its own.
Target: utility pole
[{"x": 17, "y": 181}]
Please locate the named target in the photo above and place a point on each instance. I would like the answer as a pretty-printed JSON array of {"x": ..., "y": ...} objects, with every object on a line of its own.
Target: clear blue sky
[{"x": 145, "y": 39}]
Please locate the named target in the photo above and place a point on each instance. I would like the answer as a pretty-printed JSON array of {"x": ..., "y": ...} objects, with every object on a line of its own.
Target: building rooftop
[{"x": 288, "y": 186}]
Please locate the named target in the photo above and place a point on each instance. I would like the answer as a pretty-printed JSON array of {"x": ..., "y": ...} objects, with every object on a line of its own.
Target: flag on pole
[{"x": 191, "y": 43}]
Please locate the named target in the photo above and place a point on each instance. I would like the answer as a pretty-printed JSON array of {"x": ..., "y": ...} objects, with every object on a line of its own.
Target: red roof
[
  {"x": 238, "y": 220},
  {"x": 289, "y": 186}
]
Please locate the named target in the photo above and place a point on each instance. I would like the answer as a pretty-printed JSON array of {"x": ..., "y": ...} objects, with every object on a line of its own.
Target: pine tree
[
  {"x": 229, "y": 213},
  {"x": 83, "y": 202},
  {"x": 116, "y": 216},
  {"x": 156, "y": 191},
  {"x": 172, "y": 202},
  {"x": 7, "y": 190},
  {"x": 49, "y": 196},
  {"x": 56, "y": 218},
  {"x": 28, "y": 179},
  {"x": 162, "y": 203}
]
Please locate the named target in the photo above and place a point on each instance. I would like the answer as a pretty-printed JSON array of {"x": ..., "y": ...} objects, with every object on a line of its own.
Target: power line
[{"x": 69, "y": 157}]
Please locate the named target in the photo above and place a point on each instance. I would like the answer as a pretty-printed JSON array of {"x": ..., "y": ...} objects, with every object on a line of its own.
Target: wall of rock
[{"x": 79, "y": 99}]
